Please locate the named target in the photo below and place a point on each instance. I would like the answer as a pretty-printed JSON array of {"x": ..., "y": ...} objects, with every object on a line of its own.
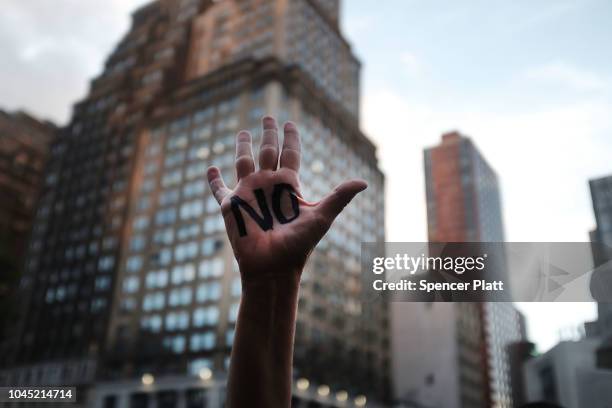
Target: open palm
[{"x": 271, "y": 227}]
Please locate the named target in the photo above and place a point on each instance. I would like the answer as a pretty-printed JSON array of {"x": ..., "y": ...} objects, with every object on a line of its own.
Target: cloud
[
  {"x": 50, "y": 50},
  {"x": 543, "y": 158},
  {"x": 569, "y": 76}
]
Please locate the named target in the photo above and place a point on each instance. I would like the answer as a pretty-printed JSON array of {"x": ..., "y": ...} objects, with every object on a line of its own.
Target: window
[
  {"x": 195, "y": 366},
  {"x": 213, "y": 224},
  {"x": 201, "y": 133},
  {"x": 191, "y": 209},
  {"x": 153, "y": 301},
  {"x": 177, "y": 142},
  {"x": 130, "y": 284},
  {"x": 206, "y": 316},
  {"x": 166, "y": 216},
  {"x": 172, "y": 177},
  {"x": 194, "y": 188},
  {"x": 109, "y": 243},
  {"x": 208, "y": 292},
  {"x": 174, "y": 159},
  {"x": 157, "y": 279},
  {"x": 133, "y": 263},
  {"x": 229, "y": 337},
  {"x": 177, "y": 321},
  {"x": 162, "y": 257},
  {"x": 211, "y": 268},
  {"x": 233, "y": 312},
  {"x": 153, "y": 150},
  {"x": 175, "y": 343},
  {"x": 102, "y": 283},
  {"x": 152, "y": 323},
  {"x": 256, "y": 114},
  {"x": 183, "y": 273},
  {"x": 128, "y": 304},
  {"x": 150, "y": 168},
  {"x": 147, "y": 186},
  {"x": 202, "y": 341},
  {"x": 211, "y": 204},
  {"x": 188, "y": 232},
  {"x": 98, "y": 304},
  {"x": 200, "y": 152},
  {"x": 164, "y": 236},
  {"x": 236, "y": 287},
  {"x": 168, "y": 197},
  {"x": 140, "y": 222},
  {"x": 106, "y": 263},
  {"x": 203, "y": 115},
  {"x": 137, "y": 243},
  {"x": 186, "y": 251},
  {"x": 180, "y": 296},
  {"x": 210, "y": 246},
  {"x": 180, "y": 123},
  {"x": 195, "y": 170}
]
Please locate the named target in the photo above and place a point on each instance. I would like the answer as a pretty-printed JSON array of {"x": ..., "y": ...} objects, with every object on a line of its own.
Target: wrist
[{"x": 270, "y": 283}]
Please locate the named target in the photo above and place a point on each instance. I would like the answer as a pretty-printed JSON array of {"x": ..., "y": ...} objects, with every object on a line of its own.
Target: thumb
[{"x": 331, "y": 205}]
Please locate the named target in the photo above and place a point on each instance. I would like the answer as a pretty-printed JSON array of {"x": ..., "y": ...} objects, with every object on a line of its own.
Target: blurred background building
[
  {"x": 130, "y": 288},
  {"x": 601, "y": 244},
  {"x": 459, "y": 358},
  {"x": 578, "y": 374},
  {"x": 24, "y": 146},
  {"x": 568, "y": 375}
]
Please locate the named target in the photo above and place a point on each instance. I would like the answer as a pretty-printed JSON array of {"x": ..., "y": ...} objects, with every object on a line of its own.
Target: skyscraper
[
  {"x": 24, "y": 146},
  {"x": 130, "y": 272},
  {"x": 464, "y": 362},
  {"x": 601, "y": 243}
]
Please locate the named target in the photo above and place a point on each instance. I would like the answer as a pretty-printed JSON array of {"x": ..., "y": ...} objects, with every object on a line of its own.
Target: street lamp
[
  {"x": 205, "y": 374},
  {"x": 147, "y": 379},
  {"x": 303, "y": 384},
  {"x": 360, "y": 400},
  {"x": 323, "y": 390}
]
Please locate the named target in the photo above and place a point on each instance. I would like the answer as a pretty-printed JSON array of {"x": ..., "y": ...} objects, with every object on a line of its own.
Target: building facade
[
  {"x": 567, "y": 375},
  {"x": 601, "y": 279},
  {"x": 467, "y": 366},
  {"x": 130, "y": 272},
  {"x": 24, "y": 147}
]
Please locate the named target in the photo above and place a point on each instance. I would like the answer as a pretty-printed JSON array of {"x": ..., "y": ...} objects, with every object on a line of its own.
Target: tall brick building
[
  {"x": 464, "y": 362},
  {"x": 129, "y": 269},
  {"x": 24, "y": 146}
]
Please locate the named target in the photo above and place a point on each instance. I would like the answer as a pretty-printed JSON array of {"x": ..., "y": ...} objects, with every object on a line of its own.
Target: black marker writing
[
  {"x": 276, "y": 203},
  {"x": 264, "y": 222}
]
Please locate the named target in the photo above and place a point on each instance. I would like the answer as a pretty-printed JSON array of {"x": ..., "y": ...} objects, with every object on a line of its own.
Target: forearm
[{"x": 261, "y": 362}]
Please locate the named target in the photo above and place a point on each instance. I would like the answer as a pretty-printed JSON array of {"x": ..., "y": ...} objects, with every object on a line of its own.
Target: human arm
[{"x": 272, "y": 230}]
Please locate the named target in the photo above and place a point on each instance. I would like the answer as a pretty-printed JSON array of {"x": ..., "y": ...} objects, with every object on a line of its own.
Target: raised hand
[
  {"x": 271, "y": 227},
  {"x": 272, "y": 230}
]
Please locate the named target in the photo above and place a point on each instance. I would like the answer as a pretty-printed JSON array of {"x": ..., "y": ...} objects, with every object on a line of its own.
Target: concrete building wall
[
  {"x": 425, "y": 363},
  {"x": 556, "y": 375}
]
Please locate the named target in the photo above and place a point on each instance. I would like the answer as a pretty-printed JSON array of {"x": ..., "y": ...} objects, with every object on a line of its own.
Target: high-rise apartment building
[
  {"x": 129, "y": 270},
  {"x": 461, "y": 360},
  {"x": 601, "y": 244},
  {"x": 24, "y": 146}
]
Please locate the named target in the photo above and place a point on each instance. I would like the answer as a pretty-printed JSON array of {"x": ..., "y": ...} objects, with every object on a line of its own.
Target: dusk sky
[{"x": 528, "y": 81}]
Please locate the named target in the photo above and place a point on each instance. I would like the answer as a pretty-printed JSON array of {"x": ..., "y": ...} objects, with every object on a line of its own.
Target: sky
[{"x": 528, "y": 81}]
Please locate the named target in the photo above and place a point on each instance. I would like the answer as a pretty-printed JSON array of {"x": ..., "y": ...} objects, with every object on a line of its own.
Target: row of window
[{"x": 179, "y": 320}]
